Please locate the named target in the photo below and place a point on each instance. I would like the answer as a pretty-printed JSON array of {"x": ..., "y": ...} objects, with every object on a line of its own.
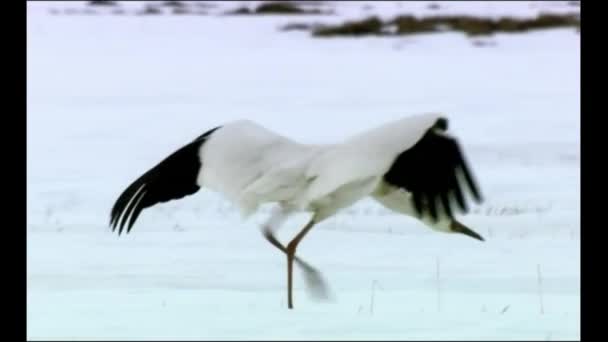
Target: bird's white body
[
  {"x": 252, "y": 165},
  {"x": 409, "y": 166}
]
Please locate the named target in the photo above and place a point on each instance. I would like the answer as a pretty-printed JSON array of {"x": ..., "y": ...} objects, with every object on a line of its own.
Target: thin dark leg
[
  {"x": 290, "y": 258},
  {"x": 273, "y": 240},
  {"x": 314, "y": 280},
  {"x": 291, "y": 252}
]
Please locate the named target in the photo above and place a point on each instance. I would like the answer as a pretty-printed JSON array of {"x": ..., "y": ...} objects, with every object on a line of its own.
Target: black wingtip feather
[
  {"x": 442, "y": 124},
  {"x": 417, "y": 198},
  {"x": 433, "y": 170},
  {"x": 173, "y": 178},
  {"x": 432, "y": 203},
  {"x": 445, "y": 202},
  {"x": 470, "y": 181}
]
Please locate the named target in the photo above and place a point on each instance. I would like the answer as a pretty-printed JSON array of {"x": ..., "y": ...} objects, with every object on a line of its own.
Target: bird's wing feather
[
  {"x": 275, "y": 182},
  {"x": 394, "y": 198},
  {"x": 437, "y": 175},
  {"x": 173, "y": 178},
  {"x": 365, "y": 155},
  {"x": 250, "y": 164}
]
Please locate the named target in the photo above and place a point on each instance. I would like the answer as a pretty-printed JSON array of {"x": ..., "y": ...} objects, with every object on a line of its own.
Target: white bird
[{"x": 410, "y": 166}]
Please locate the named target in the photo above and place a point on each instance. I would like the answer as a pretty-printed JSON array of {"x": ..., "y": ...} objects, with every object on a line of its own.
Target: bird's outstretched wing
[
  {"x": 249, "y": 165},
  {"x": 435, "y": 172},
  {"x": 173, "y": 178}
]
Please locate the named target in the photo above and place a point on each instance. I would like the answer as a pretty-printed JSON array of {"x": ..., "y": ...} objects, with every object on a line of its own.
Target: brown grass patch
[
  {"x": 278, "y": 8},
  {"x": 102, "y": 3},
  {"x": 369, "y": 26},
  {"x": 472, "y": 26}
]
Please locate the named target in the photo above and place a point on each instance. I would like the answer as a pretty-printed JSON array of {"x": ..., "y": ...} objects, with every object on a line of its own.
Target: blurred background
[{"x": 114, "y": 86}]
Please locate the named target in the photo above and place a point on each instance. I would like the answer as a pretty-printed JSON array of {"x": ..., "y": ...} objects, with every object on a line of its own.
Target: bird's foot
[{"x": 316, "y": 285}]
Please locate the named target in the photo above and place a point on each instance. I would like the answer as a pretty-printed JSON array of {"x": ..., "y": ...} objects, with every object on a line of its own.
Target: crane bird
[{"x": 410, "y": 166}]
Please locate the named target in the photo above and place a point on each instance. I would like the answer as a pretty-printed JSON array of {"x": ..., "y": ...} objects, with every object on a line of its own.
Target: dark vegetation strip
[
  {"x": 472, "y": 26},
  {"x": 276, "y": 8}
]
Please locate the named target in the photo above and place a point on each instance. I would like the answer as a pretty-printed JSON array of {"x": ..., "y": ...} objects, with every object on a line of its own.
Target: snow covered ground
[{"x": 109, "y": 96}]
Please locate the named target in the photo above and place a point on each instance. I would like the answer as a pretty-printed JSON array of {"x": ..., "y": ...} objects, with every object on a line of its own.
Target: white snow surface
[{"x": 109, "y": 96}]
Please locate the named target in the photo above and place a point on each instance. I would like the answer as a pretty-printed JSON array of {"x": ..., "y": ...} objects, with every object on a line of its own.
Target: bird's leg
[
  {"x": 314, "y": 280},
  {"x": 291, "y": 251},
  {"x": 270, "y": 237}
]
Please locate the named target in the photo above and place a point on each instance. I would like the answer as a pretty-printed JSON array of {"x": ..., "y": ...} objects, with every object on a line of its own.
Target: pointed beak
[{"x": 458, "y": 227}]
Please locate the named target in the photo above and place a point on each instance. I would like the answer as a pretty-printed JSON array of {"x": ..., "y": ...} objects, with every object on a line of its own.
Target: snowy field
[{"x": 109, "y": 96}]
